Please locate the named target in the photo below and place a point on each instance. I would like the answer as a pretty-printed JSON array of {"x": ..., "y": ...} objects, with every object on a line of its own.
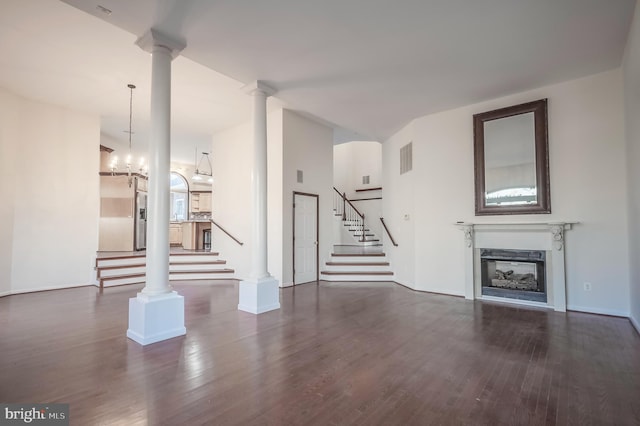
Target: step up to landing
[
  {"x": 357, "y": 267},
  {"x": 131, "y": 269}
]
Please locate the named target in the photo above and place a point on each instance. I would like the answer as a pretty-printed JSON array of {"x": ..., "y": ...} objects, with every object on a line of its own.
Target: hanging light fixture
[
  {"x": 202, "y": 174},
  {"x": 114, "y": 162}
]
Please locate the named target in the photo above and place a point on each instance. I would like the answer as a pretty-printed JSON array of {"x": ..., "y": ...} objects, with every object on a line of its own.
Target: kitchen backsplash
[{"x": 198, "y": 215}]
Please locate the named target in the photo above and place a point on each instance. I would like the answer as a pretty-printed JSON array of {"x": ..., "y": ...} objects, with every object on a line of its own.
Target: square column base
[
  {"x": 156, "y": 318},
  {"x": 258, "y": 296}
]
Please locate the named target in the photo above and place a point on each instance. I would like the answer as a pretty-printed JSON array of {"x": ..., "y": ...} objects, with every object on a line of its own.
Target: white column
[
  {"x": 157, "y": 313},
  {"x": 159, "y": 169},
  {"x": 260, "y": 293}
]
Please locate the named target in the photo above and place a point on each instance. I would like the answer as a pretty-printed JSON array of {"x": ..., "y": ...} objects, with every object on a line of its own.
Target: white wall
[
  {"x": 50, "y": 192},
  {"x": 308, "y": 146},
  {"x": 588, "y": 184},
  {"x": 398, "y": 207},
  {"x": 631, "y": 68},
  {"x": 10, "y": 112},
  {"x": 353, "y": 160}
]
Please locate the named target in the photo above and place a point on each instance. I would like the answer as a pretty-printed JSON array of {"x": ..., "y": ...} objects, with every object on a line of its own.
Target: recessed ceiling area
[{"x": 367, "y": 67}]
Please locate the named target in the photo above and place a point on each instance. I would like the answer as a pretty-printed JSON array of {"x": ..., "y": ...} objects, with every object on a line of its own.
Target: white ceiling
[{"x": 368, "y": 66}]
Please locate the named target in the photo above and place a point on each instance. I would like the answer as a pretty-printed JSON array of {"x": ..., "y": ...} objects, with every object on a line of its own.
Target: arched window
[{"x": 179, "y": 197}]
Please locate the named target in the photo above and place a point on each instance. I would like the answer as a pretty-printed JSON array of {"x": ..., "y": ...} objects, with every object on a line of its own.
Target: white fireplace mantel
[{"x": 547, "y": 236}]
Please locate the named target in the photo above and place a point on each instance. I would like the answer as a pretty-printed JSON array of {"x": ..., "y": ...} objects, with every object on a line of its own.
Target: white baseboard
[
  {"x": 635, "y": 323},
  {"x": 37, "y": 289},
  {"x": 284, "y": 285},
  {"x": 5, "y": 293},
  {"x": 599, "y": 311}
]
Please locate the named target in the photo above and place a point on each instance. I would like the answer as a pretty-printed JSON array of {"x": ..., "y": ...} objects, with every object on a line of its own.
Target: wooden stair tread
[
  {"x": 212, "y": 271},
  {"x": 357, "y": 263},
  {"x": 357, "y": 272},
  {"x": 357, "y": 254},
  {"x": 196, "y": 253},
  {"x": 135, "y": 255},
  {"x": 120, "y": 277},
  {"x": 139, "y": 265},
  {"x": 132, "y": 265},
  {"x": 142, "y": 274}
]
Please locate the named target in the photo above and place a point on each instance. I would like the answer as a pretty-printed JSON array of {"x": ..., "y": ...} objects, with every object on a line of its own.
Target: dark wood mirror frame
[{"x": 543, "y": 205}]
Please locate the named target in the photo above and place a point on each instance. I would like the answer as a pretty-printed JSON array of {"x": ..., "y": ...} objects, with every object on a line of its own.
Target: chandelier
[
  {"x": 202, "y": 174},
  {"x": 115, "y": 165}
]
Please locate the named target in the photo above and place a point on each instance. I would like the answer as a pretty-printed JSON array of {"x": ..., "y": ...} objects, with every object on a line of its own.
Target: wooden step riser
[
  {"x": 356, "y": 268},
  {"x": 172, "y": 277},
  {"x": 365, "y": 257},
  {"x": 106, "y": 273},
  {"x": 101, "y": 263},
  {"x": 203, "y": 276},
  {"x": 359, "y": 270},
  {"x": 356, "y": 278},
  {"x": 355, "y": 273}
]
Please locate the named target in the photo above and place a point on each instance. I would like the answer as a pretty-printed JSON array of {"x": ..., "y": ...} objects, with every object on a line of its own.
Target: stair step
[
  {"x": 173, "y": 275},
  {"x": 196, "y": 253},
  {"x": 357, "y": 254},
  {"x": 356, "y": 272},
  {"x": 212, "y": 271},
  {"x": 137, "y": 258},
  {"x": 357, "y": 263}
]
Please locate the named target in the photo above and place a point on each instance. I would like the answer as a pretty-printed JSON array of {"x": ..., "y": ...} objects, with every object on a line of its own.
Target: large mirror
[{"x": 512, "y": 160}]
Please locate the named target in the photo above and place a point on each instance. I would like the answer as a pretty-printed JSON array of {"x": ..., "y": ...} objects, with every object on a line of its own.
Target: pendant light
[
  {"x": 202, "y": 174},
  {"x": 114, "y": 162}
]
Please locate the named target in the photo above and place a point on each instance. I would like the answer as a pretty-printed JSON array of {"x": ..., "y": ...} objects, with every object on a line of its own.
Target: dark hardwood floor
[{"x": 334, "y": 354}]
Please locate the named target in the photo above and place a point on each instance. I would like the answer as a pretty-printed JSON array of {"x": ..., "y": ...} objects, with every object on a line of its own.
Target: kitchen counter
[{"x": 192, "y": 233}]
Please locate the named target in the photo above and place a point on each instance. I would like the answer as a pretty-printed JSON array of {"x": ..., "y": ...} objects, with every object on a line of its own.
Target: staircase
[
  {"x": 356, "y": 230},
  {"x": 353, "y": 220},
  {"x": 357, "y": 266},
  {"x": 130, "y": 268}
]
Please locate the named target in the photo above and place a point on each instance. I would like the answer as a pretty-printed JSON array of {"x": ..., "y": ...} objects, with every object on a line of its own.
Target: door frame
[{"x": 293, "y": 240}]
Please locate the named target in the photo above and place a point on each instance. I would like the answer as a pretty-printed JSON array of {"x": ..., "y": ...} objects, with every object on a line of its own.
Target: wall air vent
[
  {"x": 406, "y": 158},
  {"x": 365, "y": 180},
  {"x": 299, "y": 176}
]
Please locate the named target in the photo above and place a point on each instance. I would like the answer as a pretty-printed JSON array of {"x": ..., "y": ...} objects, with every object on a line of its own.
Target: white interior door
[{"x": 305, "y": 243}]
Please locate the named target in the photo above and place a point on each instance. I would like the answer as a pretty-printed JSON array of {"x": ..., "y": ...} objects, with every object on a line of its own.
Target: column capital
[
  {"x": 257, "y": 87},
  {"x": 154, "y": 38}
]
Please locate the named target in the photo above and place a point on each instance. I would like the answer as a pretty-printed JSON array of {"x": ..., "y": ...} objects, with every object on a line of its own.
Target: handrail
[
  {"x": 354, "y": 208},
  {"x": 226, "y": 232},
  {"x": 344, "y": 198},
  {"x": 388, "y": 233},
  {"x": 353, "y": 215}
]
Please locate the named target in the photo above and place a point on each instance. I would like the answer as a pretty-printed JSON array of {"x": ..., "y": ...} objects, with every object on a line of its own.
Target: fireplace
[
  {"x": 515, "y": 274},
  {"x": 512, "y": 239}
]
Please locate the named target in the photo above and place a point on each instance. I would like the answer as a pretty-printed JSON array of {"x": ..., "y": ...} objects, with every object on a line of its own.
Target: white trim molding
[
  {"x": 543, "y": 236},
  {"x": 635, "y": 323}
]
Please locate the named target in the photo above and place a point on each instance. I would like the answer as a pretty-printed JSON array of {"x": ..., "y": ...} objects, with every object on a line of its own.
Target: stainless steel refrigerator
[{"x": 141, "y": 221}]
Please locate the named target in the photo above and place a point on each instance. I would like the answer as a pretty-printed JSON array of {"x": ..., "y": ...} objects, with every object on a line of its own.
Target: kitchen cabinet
[
  {"x": 201, "y": 201},
  {"x": 175, "y": 234}
]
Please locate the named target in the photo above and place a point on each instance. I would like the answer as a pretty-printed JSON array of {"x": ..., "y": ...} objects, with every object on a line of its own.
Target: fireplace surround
[{"x": 539, "y": 245}]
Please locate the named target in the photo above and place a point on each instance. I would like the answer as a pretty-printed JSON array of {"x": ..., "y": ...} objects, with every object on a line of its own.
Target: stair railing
[
  {"x": 226, "y": 232},
  {"x": 388, "y": 233},
  {"x": 349, "y": 212}
]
